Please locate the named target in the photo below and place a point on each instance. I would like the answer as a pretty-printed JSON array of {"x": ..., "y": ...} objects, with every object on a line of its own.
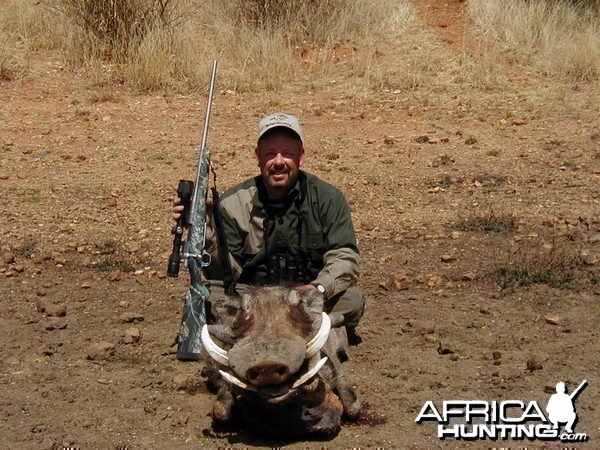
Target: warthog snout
[{"x": 268, "y": 373}]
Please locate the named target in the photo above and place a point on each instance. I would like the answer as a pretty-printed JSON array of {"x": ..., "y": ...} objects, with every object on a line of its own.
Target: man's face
[{"x": 279, "y": 157}]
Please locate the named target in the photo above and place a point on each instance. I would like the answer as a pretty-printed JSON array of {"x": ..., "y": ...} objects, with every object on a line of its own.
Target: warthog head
[{"x": 277, "y": 363}]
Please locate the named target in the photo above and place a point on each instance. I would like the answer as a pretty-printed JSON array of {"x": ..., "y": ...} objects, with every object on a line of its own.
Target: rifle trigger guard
[{"x": 205, "y": 259}]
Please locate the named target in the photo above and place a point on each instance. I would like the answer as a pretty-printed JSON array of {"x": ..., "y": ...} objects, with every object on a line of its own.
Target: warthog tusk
[
  {"x": 236, "y": 381},
  {"x": 311, "y": 373},
  {"x": 216, "y": 352},
  {"x": 316, "y": 343}
]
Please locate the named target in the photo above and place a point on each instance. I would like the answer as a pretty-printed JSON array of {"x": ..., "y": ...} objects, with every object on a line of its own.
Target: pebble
[
  {"x": 132, "y": 247},
  {"x": 8, "y": 258},
  {"x": 399, "y": 281},
  {"x": 469, "y": 276},
  {"x": 181, "y": 381},
  {"x": 552, "y": 319},
  {"x": 56, "y": 323},
  {"x": 131, "y": 317},
  {"x": 100, "y": 351},
  {"x": 434, "y": 280},
  {"x": 448, "y": 258},
  {"x": 41, "y": 304},
  {"x": 132, "y": 335},
  {"x": 115, "y": 275},
  {"x": 59, "y": 310}
]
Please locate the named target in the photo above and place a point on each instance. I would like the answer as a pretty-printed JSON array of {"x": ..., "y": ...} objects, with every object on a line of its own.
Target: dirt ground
[{"x": 87, "y": 176}]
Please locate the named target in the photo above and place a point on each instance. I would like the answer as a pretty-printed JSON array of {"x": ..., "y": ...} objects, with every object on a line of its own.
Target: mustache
[{"x": 278, "y": 171}]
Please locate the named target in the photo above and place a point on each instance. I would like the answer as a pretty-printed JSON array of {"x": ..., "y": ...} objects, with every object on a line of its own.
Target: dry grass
[
  {"x": 266, "y": 48},
  {"x": 266, "y": 45},
  {"x": 557, "y": 37},
  {"x": 262, "y": 44}
]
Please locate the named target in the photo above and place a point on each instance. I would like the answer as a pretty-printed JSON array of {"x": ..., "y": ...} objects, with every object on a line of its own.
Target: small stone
[
  {"x": 59, "y": 310},
  {"x": 101, "y": 351},
  {"x": 132, "y": 247},
  {"x": 115, "y": 275},
  {"x": 131, "y": 317},
  {"x": 399, "y": 281},
  {"x": 434, "y": 281},
  {"x": 41, "y": 304},
  {"x": 443, "y": 350},
  {"x": 552, "y": 319},
  {"x": 532, "y": 365},
  {"x": 132, "y": 335},
  {"x": 430, "y": 338},
  {"x": 455, "y": 235},
  {"x": 367, "y": 225},
  {"x": 39, "y": 428},
  {"x": 469, "y": 276},
  {"x": 8, "y": 257},
  {"x": 56, "y": 323},
  {"x": 86, "y": 285},
  {"x": 181, "y": 381},
  {"x": 18, "y": 268},
  {"x": 448, "y": 258}
]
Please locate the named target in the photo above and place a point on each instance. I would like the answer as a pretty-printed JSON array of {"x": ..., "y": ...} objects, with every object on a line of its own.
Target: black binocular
[{"x": 284, "y": 268}]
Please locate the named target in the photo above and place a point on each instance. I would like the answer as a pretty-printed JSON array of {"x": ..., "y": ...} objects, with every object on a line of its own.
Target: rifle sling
[{"x": 228, "y": 279}]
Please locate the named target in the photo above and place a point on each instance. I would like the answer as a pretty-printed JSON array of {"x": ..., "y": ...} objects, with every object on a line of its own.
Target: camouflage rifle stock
[{"x": 195, "y": 257}]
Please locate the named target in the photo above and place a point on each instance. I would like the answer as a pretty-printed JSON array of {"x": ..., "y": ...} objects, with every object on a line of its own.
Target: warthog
[{"x": 279, "y": 361}]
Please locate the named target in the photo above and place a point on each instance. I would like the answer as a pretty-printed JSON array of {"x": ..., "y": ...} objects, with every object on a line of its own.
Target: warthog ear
[
  {"x": 313, "y": 300},
  {"x": 245, "y": 303},
  {"x": 294, "y": 297},
  {"x": 243, "y": 319}
]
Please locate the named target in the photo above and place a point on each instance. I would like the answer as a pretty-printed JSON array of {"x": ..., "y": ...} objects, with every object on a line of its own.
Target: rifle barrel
[
  {"x": 575, "y": 393},
  {"x": 211, "y": 88}
]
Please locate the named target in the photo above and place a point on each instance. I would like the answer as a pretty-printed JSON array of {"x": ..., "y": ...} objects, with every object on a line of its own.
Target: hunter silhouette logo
[
  {"x": 508, "y": 419},
  {"x": 560, "y": 407}
]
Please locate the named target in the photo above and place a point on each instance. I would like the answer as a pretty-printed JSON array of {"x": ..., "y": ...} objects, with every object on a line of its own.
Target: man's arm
[{"x": 341, "y": 258}]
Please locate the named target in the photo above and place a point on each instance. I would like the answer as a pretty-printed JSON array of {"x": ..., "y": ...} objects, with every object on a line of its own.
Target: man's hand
[{"x": 178, "y": 209}]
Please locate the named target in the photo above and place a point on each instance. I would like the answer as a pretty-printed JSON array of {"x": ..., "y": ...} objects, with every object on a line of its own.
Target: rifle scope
[{"x": 185, "y": 190}]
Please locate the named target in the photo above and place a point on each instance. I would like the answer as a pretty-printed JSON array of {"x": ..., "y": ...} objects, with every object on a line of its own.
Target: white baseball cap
[{"x": 280, "y": 120}]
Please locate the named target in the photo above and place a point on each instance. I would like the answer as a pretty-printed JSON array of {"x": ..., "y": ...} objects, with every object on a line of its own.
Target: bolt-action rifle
[{"x": 195, "y": 257}]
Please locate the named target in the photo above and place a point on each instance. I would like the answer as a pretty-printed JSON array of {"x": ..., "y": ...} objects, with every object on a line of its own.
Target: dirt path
[{"x": 86, "y": 178}]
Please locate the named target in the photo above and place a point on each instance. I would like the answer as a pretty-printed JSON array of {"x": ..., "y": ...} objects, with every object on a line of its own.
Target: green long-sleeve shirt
[{"x": 312, "y": 227}]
